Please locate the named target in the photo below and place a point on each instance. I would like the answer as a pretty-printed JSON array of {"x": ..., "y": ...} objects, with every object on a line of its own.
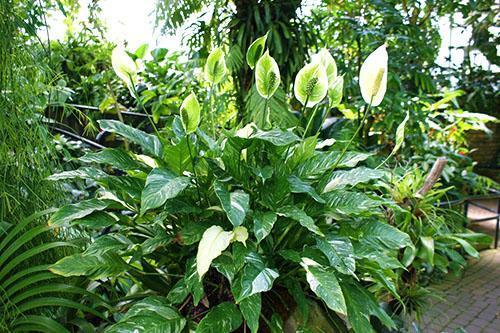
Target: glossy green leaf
[
  {"x": 339, "y": 252},
  {"x": 152, "y": 314},
  {"x": 256, "y": 50},
  {"x": 250, "y": 308},
  {"x": 299, "y": 186},
  {"x": 263, "y": 224},
  {"x": 117, "y": 158},
  {"x": 385, "y": 234},
  {"x": 325, "y": 285},
  {"x": 149, "y": 143},
  {"x": 93, "y": 266},
  {"x": 193, "y": 281},
  {"x": 275, "y": 136},
  {"x": 300, "y": 216},
  {"x": 311, "y": 84},
  {"x": 322, "y": 162},
  {"x": 360, "y": 306},
  {"x": 341, "y": 202},
  {"x": 235, "y": 204},
  {"x": 213, "y": 242},
  {"x": 427, "y": 249},
  {"x": 255, "y": 279},
  {"x": 190, "y": 113},
  {"x": 336, "y": 92},
  {"x": 267, "y": 76},
  {"x": 341, "y": 178},
  {"x": 161, "y": 185},
  {"x": 215, "y": 68},
  {"x": 78, "y": 210},
  {"x": 81, "y": 173},
  {"x": 400, "y": 134},
  {"x": 224, "y": 317}
]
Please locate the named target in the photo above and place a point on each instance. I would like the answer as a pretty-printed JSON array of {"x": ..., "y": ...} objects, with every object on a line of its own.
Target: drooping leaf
[
  {"x": 150, "y": 143},
  {"x": 235, "y": 204},
  {"x": 299, "y": 186},
  {"x": 325, "y": 285},
  {"x": 255, "y": 277},
  {"x": 224, "y": 317},
  {"x": 341, "y": 178},
  {"x": 336, "y": 91},
  {"x": 300, "y": 216},
  {"x": 117, "y": 158},
  {"x": 427, "y": 249},
  {"x": 71, "y": 212},
  {"x": 360, "y": 306},
  {"x": 215, "y": 68},
  {"x": 190, "y": 113},
  {"x": 322, "y": 162},
  {"x": 400, "y": 134},
  {"x": 161, "y": 185},
  {"x": 342, "y": 202},
  {"x": 94, "y": 266},
  {"x": 152, "y": 314},
  {"x": 250, "y": 308},
  {"x": 339, "y": 252},
  {"x": 263, "y": 224},
  {"x": 213, "y": 242},
  {"x": 311, "y": 84},
  {"x": 256, "y": 50},
  {"x": 82, "y": 173},
  {"x": 267, "y": 76}
]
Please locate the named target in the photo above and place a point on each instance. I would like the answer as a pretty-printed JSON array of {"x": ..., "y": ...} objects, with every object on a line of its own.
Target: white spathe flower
[
  {"x": 123, "y": 65},
  {"x": 373, "y": 76}
]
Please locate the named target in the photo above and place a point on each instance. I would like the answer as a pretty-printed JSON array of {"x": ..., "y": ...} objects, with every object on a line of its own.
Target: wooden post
[{"x": 432, "y": 177}]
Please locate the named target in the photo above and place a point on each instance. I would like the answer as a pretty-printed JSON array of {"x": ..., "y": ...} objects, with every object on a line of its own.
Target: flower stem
[
  {"x": 310, "y": 121},
  {"x": 194, "y": 168}
]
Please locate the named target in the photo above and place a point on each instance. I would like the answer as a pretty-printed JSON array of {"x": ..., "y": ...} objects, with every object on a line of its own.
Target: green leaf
[
  {"x": 360, "y": 306},
  {"x": 311, "y": 84},
  {"x": 299, "y": 186},
  {"x": 275, "y": 136},
  {"x": 177, "y": 156},
  {"x": 341, "y": 202},
  {"x": 140, "y": 52},
  {"x": 427, "y": 249},
  {"x": 263, "y": 224},
  {"x": 107, "y": 243},
  {"x": 400, "y": 134},
  {"x": 300, "y": 216},
  {"x": 215, "y": 68},
  {"x": 224, "y": 317},
  {"x": 94, "y": 266},
  {"x": 339, "y": 252},
  {"x": 267, "y": 76},
  {"x": 255, "y": 50},
  {"x": 152, "y": 314},
  {"x": 150, "y": 143},
  {"x": 117, "y": 158},
  {"x": 255, "y": 279},
  {"x": 190, "y": 113},
  {"x": 469, "y": 249},
  {"x": 78, "y": 210},
  {"x": 96, "y": 220},
  {"x": 235, "y": 204},
  {"x": 336, "y": 91},
  {"x": 193, "y": 281},
  {"x": 213, "y": 242},
  {"x": 325, "y": 285},
  {"x": 250, "y": 308},
  {"x": 82, "y": 173},
  {"x": 385, "y": 235},
  {"x": 341, "y": 178},
  {"x": 322, "y": 162},
  {"x": 178, "y": 293},
  {"x": 161, "y": 185}
]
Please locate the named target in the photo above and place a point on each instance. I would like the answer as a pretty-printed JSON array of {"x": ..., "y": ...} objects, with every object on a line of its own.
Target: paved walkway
[{"x": 471, "y": 302}]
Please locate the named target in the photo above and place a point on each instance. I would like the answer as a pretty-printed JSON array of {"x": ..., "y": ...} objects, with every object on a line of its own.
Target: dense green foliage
[{"x": 263, "y": 184}]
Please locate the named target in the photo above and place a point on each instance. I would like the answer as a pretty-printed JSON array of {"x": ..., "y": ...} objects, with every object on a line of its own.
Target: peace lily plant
[{"x": 257, "y": 227}]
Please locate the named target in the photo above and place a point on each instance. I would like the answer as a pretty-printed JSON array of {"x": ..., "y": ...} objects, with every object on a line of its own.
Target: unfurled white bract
[
  {"x": 373, "y": 76},
  {"x": 123, "y": 65}
]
